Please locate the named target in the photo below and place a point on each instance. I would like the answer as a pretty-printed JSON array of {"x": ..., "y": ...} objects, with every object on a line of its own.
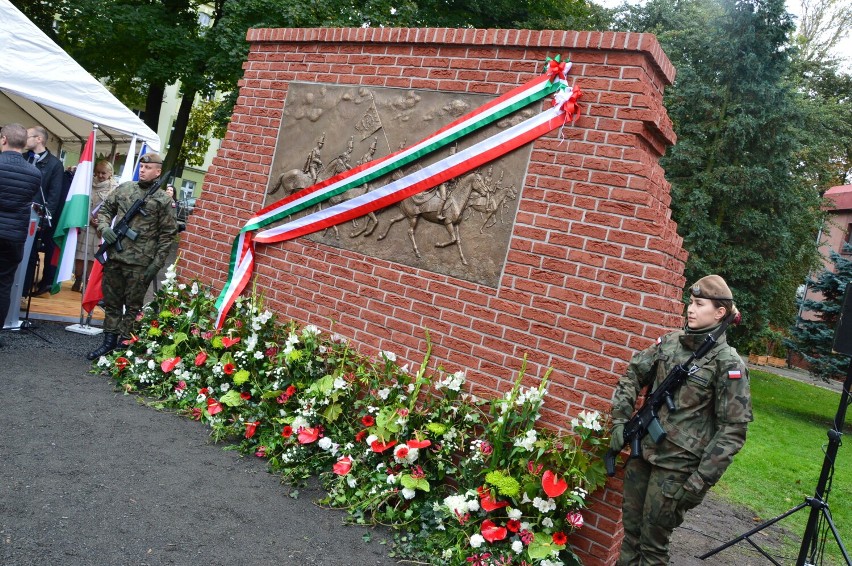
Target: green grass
[{"x": 783, "y": 456}]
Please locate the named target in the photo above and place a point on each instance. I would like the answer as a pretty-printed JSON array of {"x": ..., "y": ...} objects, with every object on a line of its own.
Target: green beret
[{"x": 712, "y": 287}]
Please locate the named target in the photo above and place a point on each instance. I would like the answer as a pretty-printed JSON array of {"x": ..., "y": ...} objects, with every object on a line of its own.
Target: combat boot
[{"x": 110, "y": 343}]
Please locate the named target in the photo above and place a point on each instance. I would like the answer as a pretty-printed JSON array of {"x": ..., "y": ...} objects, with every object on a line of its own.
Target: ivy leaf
[
  {"x": 332, "y": 412},
  {"x": 542, "y": 545},
  {"x": 231, "y": 398},
  {"x": 409, "y": 481}
]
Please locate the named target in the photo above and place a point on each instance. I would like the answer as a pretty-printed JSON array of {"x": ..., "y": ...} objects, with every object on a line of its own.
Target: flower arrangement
[{"x": 462, "y": 480}]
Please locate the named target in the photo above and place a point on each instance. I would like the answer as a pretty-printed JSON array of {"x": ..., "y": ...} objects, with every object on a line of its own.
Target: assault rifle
[
  {"x": 646, "y": 421},
  {"x": 122, "y": 228}
]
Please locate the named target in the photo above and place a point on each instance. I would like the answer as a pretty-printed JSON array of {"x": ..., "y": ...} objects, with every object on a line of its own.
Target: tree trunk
[
  {"x": 179, "y": 131},
  {"x": 153, "y": 104}
]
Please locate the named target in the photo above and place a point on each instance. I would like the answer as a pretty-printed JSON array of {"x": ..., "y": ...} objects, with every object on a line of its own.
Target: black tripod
[{"x": 811, "y": 546}]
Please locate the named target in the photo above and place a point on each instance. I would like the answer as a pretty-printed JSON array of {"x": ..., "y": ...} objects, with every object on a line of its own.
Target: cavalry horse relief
[{"x": 449, "y": 213}]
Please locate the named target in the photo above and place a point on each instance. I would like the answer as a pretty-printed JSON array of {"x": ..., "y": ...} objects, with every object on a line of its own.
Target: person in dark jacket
[
  {"x": 19, "y": 183},
  {"x": 52, "y": 180}
]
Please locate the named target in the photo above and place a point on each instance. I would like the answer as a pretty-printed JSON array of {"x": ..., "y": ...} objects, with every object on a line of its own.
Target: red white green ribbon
[{"x": 242, "y": 254}]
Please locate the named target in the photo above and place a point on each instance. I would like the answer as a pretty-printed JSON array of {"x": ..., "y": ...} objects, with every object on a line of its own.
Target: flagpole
[{"x": 84, "y": 327}]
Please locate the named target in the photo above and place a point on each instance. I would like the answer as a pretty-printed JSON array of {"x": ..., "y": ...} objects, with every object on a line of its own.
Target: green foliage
[
  {"x": 202, "y": 125},
  {"x": 741, "y": 210},
  {"x": 813, "y": 335},
  {"x": 781, "y": 461},
  {"x": 457, "y": 476}
]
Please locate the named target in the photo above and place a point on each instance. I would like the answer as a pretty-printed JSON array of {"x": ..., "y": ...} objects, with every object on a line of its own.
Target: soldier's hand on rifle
[
  {"x": 616, "y": 437},
  {"x": 150, "y": 273},
  {"x": 109, "y": 235}
]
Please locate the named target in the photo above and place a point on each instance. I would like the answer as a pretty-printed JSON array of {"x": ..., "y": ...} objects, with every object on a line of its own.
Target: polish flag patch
[{"x": 735, "y": 374}]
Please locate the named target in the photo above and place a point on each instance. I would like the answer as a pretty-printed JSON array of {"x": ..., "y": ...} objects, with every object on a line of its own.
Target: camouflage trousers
[
  {"x": 124, "y": 292},
  {"x": 650, "y": 513}
]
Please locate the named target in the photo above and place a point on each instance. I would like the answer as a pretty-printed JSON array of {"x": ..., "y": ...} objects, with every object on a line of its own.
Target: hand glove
[
  {"x": 109, "y": 236},
  {"x": 616, "y": 437},
  {"x": 150, "y": 273},
  {"x": 687, "y": 499}
]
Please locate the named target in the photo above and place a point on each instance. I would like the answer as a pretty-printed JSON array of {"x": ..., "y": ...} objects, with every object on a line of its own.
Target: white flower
[
  {"x": 350, "y": 480},
  {"x": 310, "y": 329},
  {"x": 514, "y": 513},
  {"x": 389, "y": 356},
  {"x": 452, "y": 382},
  {"x": 383, "y": 393},
  {"x": 371, "y": 439},
  {"x": 405, "y": 455},
  {"x": 547, "y": 522},
  {"x": 151, "y": 364},
  {"x": 324, "y": 443},
  {"x": 300, "y": 422},
  {"x": 517, "y": 547},
  {"x": 258, "y": 355},
  {"x": 544, "y": 505},
  {"x": 408, "y": 493},
  {"x": 391, "y": 479},
  {"x": 473, "y": 505},
  {"x": 527, "y": 441},
  {"x": 477, "y": 540},
  {"x": 457, "y": 504},
  {"x": 447, "y": 554},
  {"x": 339, "y": 383},
  {"x": 588, "y": 420}
]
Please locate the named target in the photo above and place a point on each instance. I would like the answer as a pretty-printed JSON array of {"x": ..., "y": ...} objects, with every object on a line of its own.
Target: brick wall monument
[{"x": 594, "y": 269}]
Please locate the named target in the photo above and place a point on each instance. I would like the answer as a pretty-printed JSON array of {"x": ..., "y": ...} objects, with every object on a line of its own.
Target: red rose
[
  {"x": 368, "y": 420},
  {"x": 287, "y": 431}
]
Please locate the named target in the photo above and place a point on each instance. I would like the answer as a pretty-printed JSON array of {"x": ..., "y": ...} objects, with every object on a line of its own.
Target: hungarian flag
[{"x": 75, "y": 214}]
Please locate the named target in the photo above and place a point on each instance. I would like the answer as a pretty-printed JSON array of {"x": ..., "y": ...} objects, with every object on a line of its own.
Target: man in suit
[{"x": 52, "y": 177}]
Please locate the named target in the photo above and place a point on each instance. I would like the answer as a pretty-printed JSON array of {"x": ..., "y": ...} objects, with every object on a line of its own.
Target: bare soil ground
[{"x": 89, "y": 476}]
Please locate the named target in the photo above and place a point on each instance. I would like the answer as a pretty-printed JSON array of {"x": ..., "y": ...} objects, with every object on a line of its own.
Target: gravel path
[{"x": 89, "y": 476}]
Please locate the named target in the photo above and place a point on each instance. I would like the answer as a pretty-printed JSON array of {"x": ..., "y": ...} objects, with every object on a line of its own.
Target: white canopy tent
[{"x": 41, "y": 84}]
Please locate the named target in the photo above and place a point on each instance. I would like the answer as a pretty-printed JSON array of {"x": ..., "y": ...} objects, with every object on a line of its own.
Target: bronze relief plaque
[{"x": 461, "y": 228}]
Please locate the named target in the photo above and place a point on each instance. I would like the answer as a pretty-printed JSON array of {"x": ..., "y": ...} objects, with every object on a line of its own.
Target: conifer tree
[{"x": 813, "y": 335}]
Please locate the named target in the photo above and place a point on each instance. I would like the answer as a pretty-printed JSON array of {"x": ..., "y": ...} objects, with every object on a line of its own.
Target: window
[
  {"x": 187, "y": 188},
  {"x": 846, "y": 246}
]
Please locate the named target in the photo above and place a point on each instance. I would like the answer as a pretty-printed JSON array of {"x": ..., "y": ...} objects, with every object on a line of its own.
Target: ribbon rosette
[
  {"x": 556, "y": 68},
  {"x": 567, "y": 101}
]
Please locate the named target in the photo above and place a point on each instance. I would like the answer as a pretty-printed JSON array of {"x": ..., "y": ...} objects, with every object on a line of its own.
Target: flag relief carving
[{"x": 460, "y": 228}]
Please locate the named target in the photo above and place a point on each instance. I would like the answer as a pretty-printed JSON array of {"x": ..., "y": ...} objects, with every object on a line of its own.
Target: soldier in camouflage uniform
[
  {"x": 703, "y": 434},
  {"x": 128, "y": 273}
]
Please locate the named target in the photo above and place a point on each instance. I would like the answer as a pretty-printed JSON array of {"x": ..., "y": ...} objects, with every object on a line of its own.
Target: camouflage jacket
[
  {"x": 713, "y": 406},
  {"x": 156, "y": 228}
]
